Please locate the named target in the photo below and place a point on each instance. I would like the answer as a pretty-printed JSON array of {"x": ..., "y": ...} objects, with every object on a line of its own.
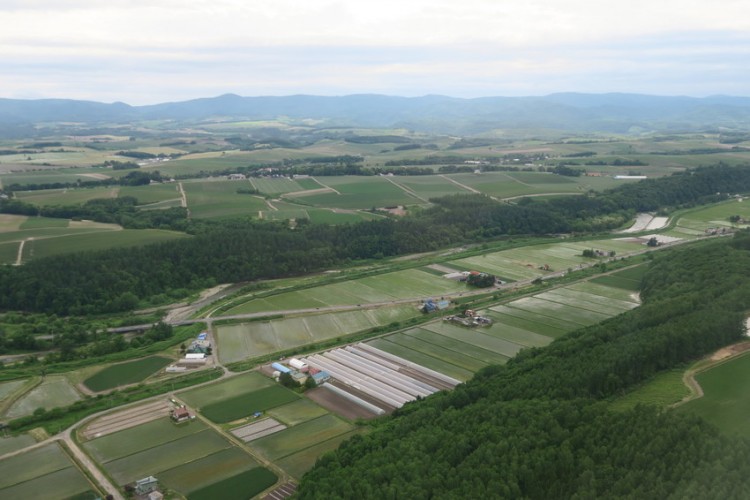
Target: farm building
[
  {"x": 195, "y": 355},
  {"x": 297, "y": 364},
  {"x": 321, "y": 377},
  {"x": 146, "y": 485},
  {"x": 180, "y": 414},
  {"x": 281, "y": 368}
]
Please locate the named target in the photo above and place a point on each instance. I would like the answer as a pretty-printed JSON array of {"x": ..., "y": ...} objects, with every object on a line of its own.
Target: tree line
[
  {"x": 540, "y": 426},
  {"x": 245, "y": 250}
]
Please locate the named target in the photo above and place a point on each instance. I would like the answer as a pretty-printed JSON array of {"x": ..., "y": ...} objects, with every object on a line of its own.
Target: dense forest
[
  {"x": 540, "y": 427},
  {"x": 243, "y": 250}
]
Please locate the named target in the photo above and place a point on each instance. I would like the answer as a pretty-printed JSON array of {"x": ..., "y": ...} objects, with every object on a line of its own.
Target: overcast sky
[{"x": 149, "y": 51}]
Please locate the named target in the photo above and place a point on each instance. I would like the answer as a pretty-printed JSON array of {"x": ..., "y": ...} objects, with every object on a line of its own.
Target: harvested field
[
  {"x": 126, "y": 419},
  {"x": 257, "y": 430},
  {"x": 341, "y": 406}
]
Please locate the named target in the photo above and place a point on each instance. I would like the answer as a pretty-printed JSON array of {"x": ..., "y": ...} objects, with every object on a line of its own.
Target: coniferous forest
[
  {"x": 540, "y": 426},
  {"x": 239, "y": 250}
]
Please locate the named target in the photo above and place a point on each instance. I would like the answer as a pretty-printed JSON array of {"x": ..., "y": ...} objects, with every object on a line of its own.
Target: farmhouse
[
  {"x": 146, "y": 485},
  {"x": 180, "y": 414}
]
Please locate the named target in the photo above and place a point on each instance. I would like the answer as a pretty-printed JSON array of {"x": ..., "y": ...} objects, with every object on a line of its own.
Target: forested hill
[
  {"x": 231, "y": 251},
  {"x": 540, "y": 427},
  {"x": 569, "y": 111}
]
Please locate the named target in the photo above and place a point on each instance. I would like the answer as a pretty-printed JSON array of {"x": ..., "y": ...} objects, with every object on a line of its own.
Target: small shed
[{"x": 321, "y": 377}]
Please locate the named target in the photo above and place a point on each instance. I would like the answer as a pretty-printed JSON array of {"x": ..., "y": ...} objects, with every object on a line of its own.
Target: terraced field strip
[
  {"x": 604, "y": 291},
  {"x": 126, "y": 419},
  {"x": 258, "y": 430},
  {"x": 582, "y": 317},
  {"x": 484, "y": 355},
  {"x": 524, "y": 323},
  {"x": 561, "y": 297},
  {"x": 531, "y": 316},
  {"x": 241, "y": 341},
  {"x": 437, "y": 351},
  {"x": 422, "y": 359},
  {"x": 476, "y": 337}
]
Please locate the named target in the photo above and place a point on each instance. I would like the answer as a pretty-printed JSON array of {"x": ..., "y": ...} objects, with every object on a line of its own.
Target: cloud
[{"x": 146, "y": 51}]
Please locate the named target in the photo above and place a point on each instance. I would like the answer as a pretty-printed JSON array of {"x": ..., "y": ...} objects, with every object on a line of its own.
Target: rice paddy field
[
  {"x": 410, "y": 283},
  {"x": 724, "y": 403},
  {"x": 214, "y": 393},
  {"x": 188, "y": 457},
  {"x": 253, "y": 339},
  {"x": 125, "y": 373},
  {"x": 535, "y": 321},
  {"x": 54, "y": 391},
  {"x": 45, "y": 473},
  {"x": 526, "y": 263},
  {"x": 246, "y": 404}
]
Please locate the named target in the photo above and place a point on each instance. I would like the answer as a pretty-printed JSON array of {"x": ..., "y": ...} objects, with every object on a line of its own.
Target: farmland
[
  {"x": 411, "y": 283},
  {"x": 245, "y": 405},
  {"x": 259, "y": 338},
  {"x": 187, "y": 457},
  {"x": 242, "y": 384},
  {"x": 216, "y": 199},
  {"x": 125, "y": 373},
  {"x": 527, "y": 322},
  {"x": 724, "y": 402},
  {"x": 54, "y": 391},
  {"x": 43, "y": 473}
]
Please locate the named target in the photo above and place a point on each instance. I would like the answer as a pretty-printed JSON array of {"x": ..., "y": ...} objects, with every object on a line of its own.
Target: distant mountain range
[{"x": 621, "y": 113}]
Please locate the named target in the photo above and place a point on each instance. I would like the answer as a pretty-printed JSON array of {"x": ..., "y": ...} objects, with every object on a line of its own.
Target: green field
[
  {"x": 300, "y": 437},
  {"x": 254, "y": 339},
  {"x": 218, "y": 199},
  {"x": 151, "y": 434},
  {"x": 214, "y": 393},
  {"x": 281, "y": 185},
  {"x": 297, "y": 412},
  {"x": 14, "y": 443},
  {"x": 361, "y": 192},
  {"x": 725, "y": 403},
  {"x": 155, "y": 459},
  {"x": 153, "y": 193},
  {"x": 246, "y": 404},
  {"x": 241, "y": 486},
  {"x": 298, "y": 463},
  {"x": 74, "y": 196},
  {"x": 125, "y": 373},
  {"x": 43, "y": 473},
  {"x": 99, "y": 240},
  {"x": 55, "y": 391},
  {"x": 665, "y": 389},
  {"x": 410, "y": 283}
]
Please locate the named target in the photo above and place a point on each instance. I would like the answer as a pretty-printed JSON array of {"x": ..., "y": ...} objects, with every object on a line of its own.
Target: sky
[{"x": 151, "y": 51}]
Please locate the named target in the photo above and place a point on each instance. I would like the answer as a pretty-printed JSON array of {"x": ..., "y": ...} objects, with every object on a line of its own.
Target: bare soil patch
[
  {"x": 342, "y": 406},
  {"x": 126, "y": 419}
]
